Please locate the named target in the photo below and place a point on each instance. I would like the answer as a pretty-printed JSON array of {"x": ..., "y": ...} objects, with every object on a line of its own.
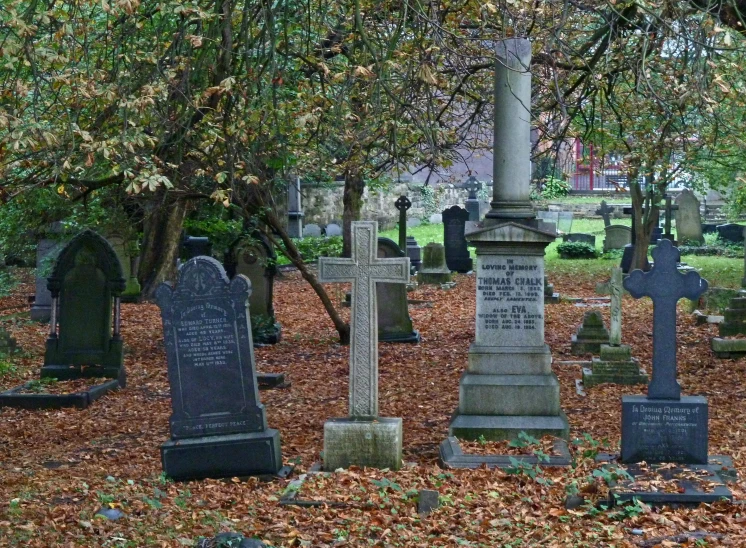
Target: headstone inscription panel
[
  {"x": 457, "y": 252},
  {"x": 664, "y": 426},
  {"x": 218, "y": 425}
]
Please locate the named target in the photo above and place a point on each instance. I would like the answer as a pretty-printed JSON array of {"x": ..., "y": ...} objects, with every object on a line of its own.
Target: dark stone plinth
[
  {"x": 222, "y": 456},
  {"x": 70, "y": 372},
  {"x": 689, "y": 485},
  {"x": 656, "y": 235},
  {"x": 452, "y": 456},
  {"x": 731, "y": 232},
  {"x": 734, "y": 318},
  {"x": 457, "y": 254},
  {"x": 506, "y": 427},
  {"x": 627, "y": 256},
  {"x": 268, "y": 381},
  {"x": 550, "y": 297},
  {"x": 615, "y": 365},
  {"x": 664, "y": 430},
  {"x": 81, "y": 400}
]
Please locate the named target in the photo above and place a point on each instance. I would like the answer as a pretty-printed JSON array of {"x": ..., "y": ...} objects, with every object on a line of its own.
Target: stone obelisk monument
[{"x": 508, "y": 386}]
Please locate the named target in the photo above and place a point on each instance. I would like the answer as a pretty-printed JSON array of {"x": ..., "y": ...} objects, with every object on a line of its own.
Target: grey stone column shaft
[{"x": 512, "y": 133}]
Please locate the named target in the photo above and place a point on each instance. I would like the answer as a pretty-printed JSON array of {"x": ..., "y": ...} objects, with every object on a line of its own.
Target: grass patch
[
  {"x": 424, "y": 234},
  {"x": 718, "y": 271}
]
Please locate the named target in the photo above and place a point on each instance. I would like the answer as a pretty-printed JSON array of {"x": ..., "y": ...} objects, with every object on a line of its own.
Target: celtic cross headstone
[
  {"x": 472, "y": 185},
  {"x": 403, "y": 204}
]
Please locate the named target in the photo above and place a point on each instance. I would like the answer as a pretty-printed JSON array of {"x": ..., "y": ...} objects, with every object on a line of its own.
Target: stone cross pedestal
[
  {"x": 590, "y": 335},
  {"x": 403, "y": 204},
  {"x": 364, "y": 438},
  {"x": 664, "y": 426},
  {"x": 471, "y": 204},
  {"x": 605, "y": 212}
]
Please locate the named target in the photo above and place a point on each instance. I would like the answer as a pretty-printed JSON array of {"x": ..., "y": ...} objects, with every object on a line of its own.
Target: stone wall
[{"x": 322, "y": 204}]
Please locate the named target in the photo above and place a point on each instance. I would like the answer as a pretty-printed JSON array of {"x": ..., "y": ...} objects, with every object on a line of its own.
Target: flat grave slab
[
  {"x": 673, "y": 484},
  {"x": 15, "y": 397},
  {"x": 452, "y": 456}
]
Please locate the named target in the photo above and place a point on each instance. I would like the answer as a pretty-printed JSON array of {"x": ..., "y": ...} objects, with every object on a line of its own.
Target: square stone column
[{"x": 508, "y": 386}]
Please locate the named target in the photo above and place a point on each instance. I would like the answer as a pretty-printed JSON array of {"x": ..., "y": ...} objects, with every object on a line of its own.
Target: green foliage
[
  {"x": 40, "y": 385},
  {"x": 6, "y": 366},
  {"x": 429, "y": 202},
  {"x": 7, "y": 282},
  {"x": 215, "y": 222},
  {"x": 523, "y": 440},
  {"x": 312, "y": 248},
  {"x": 553, "y": 188},
  {"x": 577, "y": 250},
  {"x": 262, "y": 327}
]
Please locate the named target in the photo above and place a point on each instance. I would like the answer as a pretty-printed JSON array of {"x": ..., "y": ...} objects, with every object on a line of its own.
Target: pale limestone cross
[
  {"x": 615, "y": 290},
  {"x": 364, "y": 270}
]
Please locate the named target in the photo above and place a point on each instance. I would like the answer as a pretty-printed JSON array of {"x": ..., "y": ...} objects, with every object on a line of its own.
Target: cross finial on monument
[
  {"x": 605, "y": 211},
  {"x": 472, "y": 185},
  {"x": 364, "y": 270},
  {"x": 665, "y": 285},
  {"x": 403, "y": 204}
]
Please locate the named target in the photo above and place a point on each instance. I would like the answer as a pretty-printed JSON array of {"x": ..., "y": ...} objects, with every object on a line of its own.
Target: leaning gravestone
[
  {"x": 333, "y": 229},
  {"x": 434, "y": 269},
  {"x": 85, "y": 284},
  {"x": 590, "y": 336},
  {"x": 688, "y": 218},
  {"x": 615, "y": 364},
  {"x": 665, "y": 427},
  {"x": 617, "y": 236},
  {"x": 394, "y": 323},
  {"x": 364, "y": 438},
  {"x": 457, "y": 252},
  {"x": 731, "y": 232},
  {"x": 218, "y": 426},
  {"x": 254, "y": 258},
  {"x": 312, "y": 230}
]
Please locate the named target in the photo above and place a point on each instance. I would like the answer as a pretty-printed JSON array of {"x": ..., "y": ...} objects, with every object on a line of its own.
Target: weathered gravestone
[
  {"x": 731, "y": 232},
  {"x": 403, "y": 204},
  {"x": 85, "y": 284},
  {"x": 590, "y": 336},
  {"x": 46, "y": 251},
  {"x": 218, "y": 426},
  {"x": 457, "y": 252},
  {"x": 414, "y": 252},
  {"x": 394, "y": 323},
  {"x": 605, "y": 211},
  {"x": 670, "y": 210},
  {"x": 688, "y": 218},
  {"x": 664, "y": 426},
  {"x": 127, "y": 254},
  {"x": 312, "y": 230},
  {"x": 413, "y": 222},
  {"x": 364, "y": 438},
  {"x": 333, "y": 229},
  {"x": 254, "y": 258},
  {"x": 295, "y": 209},
  {"x": 615, "y": 364},
  {"x": 589, "y": 239},
  {"x": 435, "y": 219},
  {"x": 434, "y": 269},
  {"x": 617, "y": 236}
]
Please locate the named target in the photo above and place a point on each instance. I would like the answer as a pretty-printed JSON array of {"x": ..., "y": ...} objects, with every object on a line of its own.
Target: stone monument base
[
  {"x": 508, "y": 395},
  {"x": 433, "y": 276},
  {"x": 579, "y": 347},
  {"x": 728, "y": 348},
  {"x": 41, "y": 313},
  {"x": 376, "y": 444},
  {"x": 400, "y": 337},
  {"x": 71, "y": 372},
  {"x": 616, "y": 365},
  {"x": 233, "y": 455},
  {"x": 554, "y": 298},
  {"x": 664, "y": 430},
  {"x": 510, "y": 360},
  {"x": 507, "y": 427}
]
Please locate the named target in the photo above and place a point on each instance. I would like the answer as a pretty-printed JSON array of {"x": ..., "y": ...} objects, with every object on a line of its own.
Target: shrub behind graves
[
  {"x": 576, "y": 250},
  {"x": 312, "y": 248}
]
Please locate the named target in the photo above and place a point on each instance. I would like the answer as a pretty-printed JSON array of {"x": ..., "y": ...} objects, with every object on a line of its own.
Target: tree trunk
[
  {"x": 295, "y": 257},
  {"x": 164, "y": 221},
  {"x": 352, "y": 201}
]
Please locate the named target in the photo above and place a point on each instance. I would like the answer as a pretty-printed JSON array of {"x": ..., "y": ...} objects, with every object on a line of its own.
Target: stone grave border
[
  {"x": 81, "y": 400},
  {"x": 452, "y": 456}
]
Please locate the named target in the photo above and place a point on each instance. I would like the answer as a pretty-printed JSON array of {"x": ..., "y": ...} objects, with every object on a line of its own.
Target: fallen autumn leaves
[{"x": 57, "y": 468}]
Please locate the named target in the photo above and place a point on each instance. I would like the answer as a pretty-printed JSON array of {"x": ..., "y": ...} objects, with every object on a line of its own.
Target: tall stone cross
[
  {"x": 472, "y": 185},
  {"x": 364, "y": 270},
  {"x": 403, "y": 204},
  {"x": 665, "y": 285},
  {"x": 605, "y": 211},
  {"x": 670, "y": 208},
  {"x": 615, "y": 290}
]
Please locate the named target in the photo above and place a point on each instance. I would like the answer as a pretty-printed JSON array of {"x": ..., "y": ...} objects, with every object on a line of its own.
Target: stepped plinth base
[{"x": 507, "y": 427}]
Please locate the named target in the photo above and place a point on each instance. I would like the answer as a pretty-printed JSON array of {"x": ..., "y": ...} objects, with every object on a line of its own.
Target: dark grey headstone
[
  {"x": 731, "y": 232},
  {"x": 218, "y": 425},
  {"x": 457, "y": 252},
  {"x": 428, "y": 500},
  {"x": 394, "y": 323},
  {"x": 414, "y": 252},
  {"x": 46, "y": 252},
  {"x": 664, "y": 430},
  {"x": 194, "y": 246}
]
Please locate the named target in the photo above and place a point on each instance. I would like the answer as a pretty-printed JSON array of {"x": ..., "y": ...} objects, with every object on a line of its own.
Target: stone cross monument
[
  {"x": 364, "y": 438},
  {"x": 403, "y": 204},
  {"x": 605, "y": 212},
  {"x": 471, "y": 204}
]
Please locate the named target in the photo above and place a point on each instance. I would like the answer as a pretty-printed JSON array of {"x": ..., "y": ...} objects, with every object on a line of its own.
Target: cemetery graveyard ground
[{"x": 59, "y": 468}]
